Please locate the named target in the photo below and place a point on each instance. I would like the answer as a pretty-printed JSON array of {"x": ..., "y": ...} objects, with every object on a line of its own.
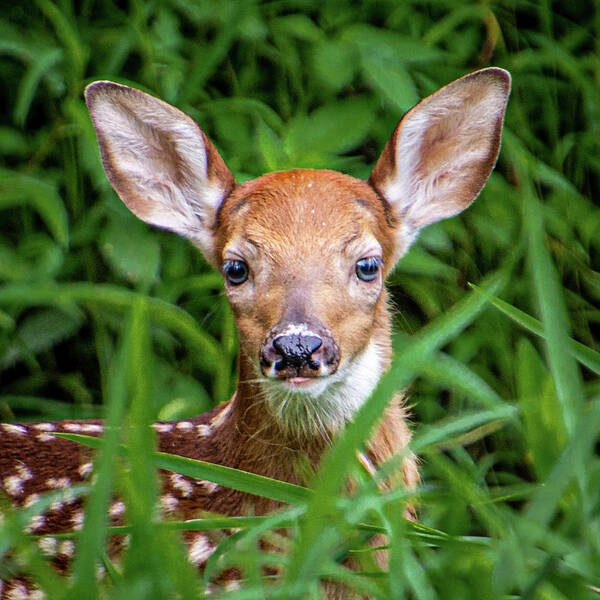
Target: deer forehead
[{"x": 295, "y": 216}]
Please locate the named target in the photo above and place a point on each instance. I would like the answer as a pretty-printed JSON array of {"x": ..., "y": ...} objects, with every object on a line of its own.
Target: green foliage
[{"x": 99, "y": 315}]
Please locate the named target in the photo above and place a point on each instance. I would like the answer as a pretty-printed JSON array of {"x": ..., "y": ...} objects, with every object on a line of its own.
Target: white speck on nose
[{"x": 296, "y": 329}]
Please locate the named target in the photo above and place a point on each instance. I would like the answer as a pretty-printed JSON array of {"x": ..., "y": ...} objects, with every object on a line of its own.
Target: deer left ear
[
  {"x": 442, "y": 151},
  {"x": 160, "y": 163}
]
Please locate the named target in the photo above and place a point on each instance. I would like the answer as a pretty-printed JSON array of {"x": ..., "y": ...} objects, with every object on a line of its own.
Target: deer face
[{"x": 304, "y": 254}]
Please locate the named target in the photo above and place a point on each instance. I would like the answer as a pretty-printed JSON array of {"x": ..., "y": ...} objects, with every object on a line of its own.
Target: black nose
[{"x": 296, "y": 351}]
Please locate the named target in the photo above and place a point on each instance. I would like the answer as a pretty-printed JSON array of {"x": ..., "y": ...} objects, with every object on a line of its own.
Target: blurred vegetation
[{"x": 505, "y": 378}]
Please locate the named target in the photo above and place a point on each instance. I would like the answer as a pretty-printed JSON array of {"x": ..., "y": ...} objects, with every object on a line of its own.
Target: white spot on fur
[
  {"x": 232, "y": 585},
  {"x": 185, "y": 425},
  {"x": 23, "y": 471},
  {"x": 48, "y": 545},
  {"x": 66, "y": 548},
  {"x": 13, "y": 485},
  {"x": 208, "y": 486},
  {"x": 45, "y": 437},
  {"x": 200, "y": 550},
  {"x": 18, "y": 591},
  {"x": 36, "y": 522},
  {"x": 45, "y": 426},
  {"x": 77, "y": 520},
  {"x": 204, "y": 430},
  {"x": 72, "y": 427},
  {"x": 168, "y": 504},
  {"x": 182, "y": 485},
  {"x": 116, "y": 509},
  {"x": 163, "y": 427},
  {"x": 60, "y": 483},
  {"x": 31, "y": 499},
  {"x": 91, "y": 428},
  {"x": 85, "y": 469},
  {"x": 221, "y": 417},
  {"x": 14, "y": 429}
]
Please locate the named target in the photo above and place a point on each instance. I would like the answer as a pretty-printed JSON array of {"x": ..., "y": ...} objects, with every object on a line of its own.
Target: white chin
[{"x": 322, "y": 405}]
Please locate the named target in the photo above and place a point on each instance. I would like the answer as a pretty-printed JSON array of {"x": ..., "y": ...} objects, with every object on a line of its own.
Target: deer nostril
[{"x": 296, "y": 350}]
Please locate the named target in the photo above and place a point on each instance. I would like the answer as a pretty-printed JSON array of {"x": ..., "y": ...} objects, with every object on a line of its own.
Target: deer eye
[
  {"x": 235, "y": 271},
  {"x": 368, "y": 268}
]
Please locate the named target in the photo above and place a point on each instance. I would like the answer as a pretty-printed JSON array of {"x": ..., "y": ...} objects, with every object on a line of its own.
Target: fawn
[{"x": 304, "y": 254}]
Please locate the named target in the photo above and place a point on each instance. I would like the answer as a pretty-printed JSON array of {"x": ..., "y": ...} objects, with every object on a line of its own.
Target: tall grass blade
[
  {"x": 584, "y": 354},
  {"x": 225, "y": 476}
]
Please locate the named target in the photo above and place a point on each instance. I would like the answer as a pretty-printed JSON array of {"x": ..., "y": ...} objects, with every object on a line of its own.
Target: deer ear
[
  {"x": 442, "y": 151},
  {"x": 160, "y": 163}
]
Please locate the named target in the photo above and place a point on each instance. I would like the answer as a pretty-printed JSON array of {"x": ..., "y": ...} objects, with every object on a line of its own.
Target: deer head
[{"x": 304, "y": 253}]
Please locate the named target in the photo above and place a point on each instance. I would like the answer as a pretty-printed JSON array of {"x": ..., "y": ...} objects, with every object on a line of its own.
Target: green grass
[{"x": 497, "y": 312}]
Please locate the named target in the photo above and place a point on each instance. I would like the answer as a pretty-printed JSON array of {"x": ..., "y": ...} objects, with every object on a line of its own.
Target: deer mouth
[
  {"x": 298, "y": 354},
  {"x": 300, "y": 383}
]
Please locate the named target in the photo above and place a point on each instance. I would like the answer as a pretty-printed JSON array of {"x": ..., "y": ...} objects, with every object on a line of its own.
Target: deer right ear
[
  {"x": 160, "y": 163},
  {"x": 442, "y": 152}
]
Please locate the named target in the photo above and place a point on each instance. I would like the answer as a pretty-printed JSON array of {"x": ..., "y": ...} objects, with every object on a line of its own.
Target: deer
[{"x": 304, "y": 255}]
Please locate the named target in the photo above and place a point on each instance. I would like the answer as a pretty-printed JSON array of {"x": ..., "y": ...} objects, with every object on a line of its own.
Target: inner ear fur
[
  {"x": 443, "y": 150},
  {"x": 160, "y": 163}
]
